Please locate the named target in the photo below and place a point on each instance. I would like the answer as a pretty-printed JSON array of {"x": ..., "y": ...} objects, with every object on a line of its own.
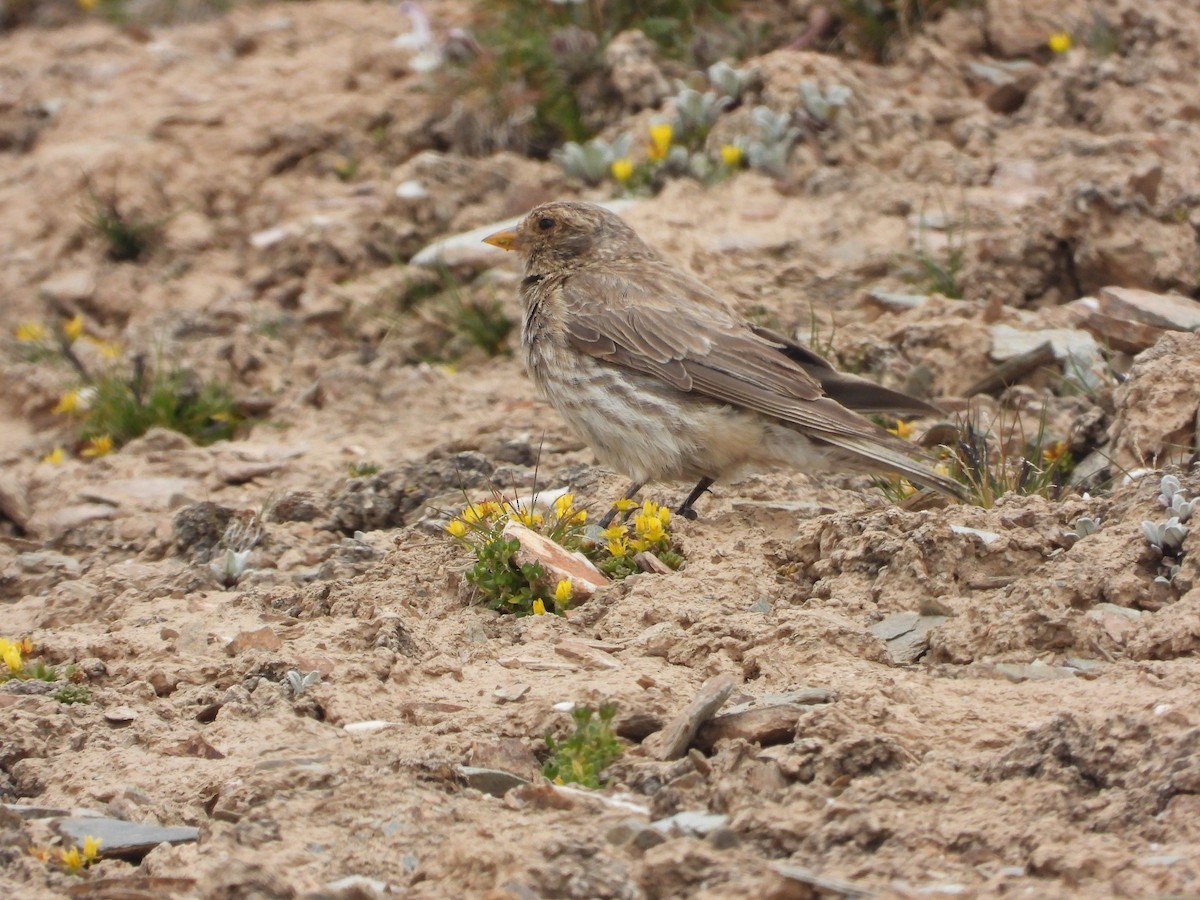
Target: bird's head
[{"x": 566, "y": 235}]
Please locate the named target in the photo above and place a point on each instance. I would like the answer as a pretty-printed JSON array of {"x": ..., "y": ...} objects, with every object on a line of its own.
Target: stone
[
  {"x": 260, "y": 639},
  {"x": 68, "y": 518},
  {"x": 120, "y": 715},
  {"x": 905, "y": 636},
  {"x": 490, "y": 781},
  {"x": 583, "y": 652},
  {"x": 69, "y": 289},
  {"x": 1157, "y": 406},
  {"x": 14, "y": 503},
  {"x": 675, "y": 739},
  {"x": 123, "y": 839},
  {"x": 766, "y": 720},
  {"x": 558, "y": 562},
  {"x": 890, "y": 301},
  {"x": 1009, "y": 342},
  {"x": 691, "y": 822},
  {"x": 161, "y": 492}
]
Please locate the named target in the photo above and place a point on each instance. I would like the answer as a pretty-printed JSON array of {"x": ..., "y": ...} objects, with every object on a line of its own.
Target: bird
[{"x": 665, "y": 381}]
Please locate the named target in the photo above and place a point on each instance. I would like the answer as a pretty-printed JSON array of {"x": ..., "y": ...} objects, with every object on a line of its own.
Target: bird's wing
[{"x": 700, "y": 348}]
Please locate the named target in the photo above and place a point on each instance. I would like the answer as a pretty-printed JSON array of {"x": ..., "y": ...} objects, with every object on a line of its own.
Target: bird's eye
[{"x": 545, "y": 223}]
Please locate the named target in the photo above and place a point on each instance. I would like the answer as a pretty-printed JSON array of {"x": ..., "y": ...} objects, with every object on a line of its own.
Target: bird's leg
[
  {"x": 698, "y": 491},
  {"x": 628, "y": 495}
]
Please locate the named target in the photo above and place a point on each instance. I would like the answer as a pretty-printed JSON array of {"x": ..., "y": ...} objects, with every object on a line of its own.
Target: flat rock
[
  {"x": 1170, "y": 311},
  {"x": 119, "y": 838},
  {"x": 14, "y": 503},
  {"x": 558, "y": 562},
  {"x": 673, "y": 741},
  {"x": 158, "y": 492},
  {"x": 68, "y": 288},
  {"x": 120, "y": 715},
  {"x": 467, "y": 250},
  {"x": 905, "y": 635},
  {"x": 891, "y": 301},
  {"x": 766, "y": 720},
  {"x": 490, "y": 781},
  {"x": 691, "y": 822},
  {"x": 1009, "y": 342},
  {"x": 68, "y": 518},
  {"x": 263, "y": 638}
]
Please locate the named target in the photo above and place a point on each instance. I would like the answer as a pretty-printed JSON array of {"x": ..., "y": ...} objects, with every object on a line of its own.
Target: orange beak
[{"x": 505, "y": 240}]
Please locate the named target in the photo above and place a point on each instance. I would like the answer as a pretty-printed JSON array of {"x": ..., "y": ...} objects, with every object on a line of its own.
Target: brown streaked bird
[{"x": 666, "y": 382}]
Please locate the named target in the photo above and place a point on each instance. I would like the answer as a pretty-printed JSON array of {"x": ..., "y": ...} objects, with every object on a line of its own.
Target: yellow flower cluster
[
  {"x": 661, "y": 134},
  {"x": 649, "y": 529},
  {"x": 98, "y": 446},
  {"x": 903, "y": 430},
  {"x": 488, "y": 512},
  {"x": 12, "y": 654},
  {"x": 74, "y": 859}
]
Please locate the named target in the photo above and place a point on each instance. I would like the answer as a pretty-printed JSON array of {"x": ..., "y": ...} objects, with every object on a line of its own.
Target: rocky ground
[{"x": 948, "y": 701}]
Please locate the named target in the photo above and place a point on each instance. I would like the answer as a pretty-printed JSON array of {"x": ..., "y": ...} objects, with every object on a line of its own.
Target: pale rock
[
  {"x": 558, "y": 562},
  {"x": 69, "y": 289},
  {"x": 259, "y": 639},
  {"x": 151, "y": 492},
  {"x": 1009, "y": 342}
]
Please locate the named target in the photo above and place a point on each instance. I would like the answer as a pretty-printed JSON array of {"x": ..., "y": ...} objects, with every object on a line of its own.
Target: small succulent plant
[
  {"x": 1176, "y": 502},
  {"x": 729, "y": 81},
  {"x": 1166, "y": 537},
  {"x": 592, "y": 161},
  {"x": 230, "y": 566},
  {"x": 696, "y": 113},
  {"x": 823, "y": 106},
  {"x": 298, "y": 682}
]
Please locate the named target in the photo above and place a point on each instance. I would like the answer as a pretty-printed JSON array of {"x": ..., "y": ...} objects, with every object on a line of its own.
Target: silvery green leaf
[
  {"x": 773, "y": 127},
  {"x": 1153, "y": 533},
  {"x": 815, "y": 103},
  {"x": 1085, "y": 525},
  {"x": 1181, "y": 508},
  {"x": 726, "y": 79},
  {"x": 1168, "y": 487},
  {"x": 677, "y": 160},
  {"x": 1173, "y": 536}
]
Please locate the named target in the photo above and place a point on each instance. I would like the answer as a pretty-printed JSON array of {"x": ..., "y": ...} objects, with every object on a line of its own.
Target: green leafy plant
[
  {"x": 524, "y": 589},
  {"x": 987, "y": 463},
  {"x": 590, "y": 749},
  {"x": 362, "y": 469},
  {"x": 70, "y": 694},
  {"x": 128, "y": 237}
]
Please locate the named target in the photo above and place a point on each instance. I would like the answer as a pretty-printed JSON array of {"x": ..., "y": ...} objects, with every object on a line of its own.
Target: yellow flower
[
  {"x": 528, "y": 517},
  {"x": 539, "y": 608},
  {"x": 91, "y": 848},
  {"x": 457, "y": 528},
  {"x": 563, "y": 591},
  {"x": 625, "y": 504},
  {"x": 731, "y": 155},
  {"x": 107, "y": 349},
  {"x": 1060, "y": 42},
  {"x": 903, "y": 430},
  {"x": 1054, "y": 452},
  {"x": 617, "y": 546},
  {"x": 906, "y": 488},
  {"x": 614, "y": 532},
  {"x": 660, "y": 140},
  {"x": 54, "y": 457},
  {"x": 10, "y": 654},
  {"x": 71, "y": 859},
  {"x": 30, "y": 331},
  {"x": 622, "y": 169},
  {"x": 67, "y": 403},
  {"x": 26, "y": 646},
  {"x": 87, "y": 5},
  {"x": 563, "y": 506},
  {"x": 99, "y": 446},
  {"x": 664, "y": 515},
  {"x": 73, "y": 328}
]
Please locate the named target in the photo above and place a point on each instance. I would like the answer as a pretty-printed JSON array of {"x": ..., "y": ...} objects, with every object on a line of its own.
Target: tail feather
[{"x": 897, "y": 458}]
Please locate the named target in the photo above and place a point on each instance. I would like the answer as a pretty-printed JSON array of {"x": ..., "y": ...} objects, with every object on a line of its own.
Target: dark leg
[
  {"x": 698, "y": 491},
  {"x": 628, "y": 495}
]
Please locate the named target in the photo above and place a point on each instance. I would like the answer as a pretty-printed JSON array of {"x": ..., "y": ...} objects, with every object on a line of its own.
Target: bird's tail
[{"x": 892, "y": 455}]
